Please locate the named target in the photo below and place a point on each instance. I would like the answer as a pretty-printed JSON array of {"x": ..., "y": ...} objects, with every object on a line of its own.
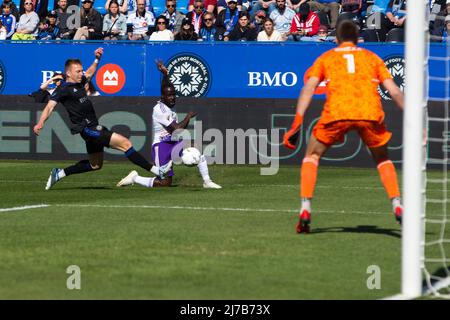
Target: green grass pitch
[{"x": 186, "y": 242}]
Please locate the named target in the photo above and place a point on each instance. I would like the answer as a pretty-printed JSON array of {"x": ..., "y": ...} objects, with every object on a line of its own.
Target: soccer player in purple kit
[{"x": 165, "y": 122}]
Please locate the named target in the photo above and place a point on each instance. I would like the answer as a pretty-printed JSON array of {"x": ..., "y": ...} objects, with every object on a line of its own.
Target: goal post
[{"x": 413, "y": 151}]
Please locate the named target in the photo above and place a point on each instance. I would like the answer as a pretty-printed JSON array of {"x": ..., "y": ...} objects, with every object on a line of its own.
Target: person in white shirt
[
  {"x": 268, "y": 33},
  {"x": 161, "y": 33},
  {"x": 27, "y": 28},
  {"x": 3, "y": 31},
  {"x": 165, "y": 123},
  {"x": 140, "y": 22}
]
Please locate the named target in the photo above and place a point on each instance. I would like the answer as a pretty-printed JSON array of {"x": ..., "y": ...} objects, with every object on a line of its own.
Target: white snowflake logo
[{"x": 189, "y": 76}]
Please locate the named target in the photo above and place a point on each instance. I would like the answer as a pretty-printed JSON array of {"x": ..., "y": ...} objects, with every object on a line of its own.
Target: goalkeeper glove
[{"x": 290, "y": 138}]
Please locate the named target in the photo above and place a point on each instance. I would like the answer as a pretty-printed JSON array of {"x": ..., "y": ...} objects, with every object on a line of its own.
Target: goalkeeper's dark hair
[{"x": 347, "y": 31}]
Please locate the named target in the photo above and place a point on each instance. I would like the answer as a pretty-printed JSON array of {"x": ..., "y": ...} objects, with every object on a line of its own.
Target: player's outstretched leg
[
  {"x": 149, "y": 182},
  {"x": 388, "y": 176},
  {"x": 57, "y": 174},
  {"x": 203, "y": 168},
  {"x": 121, "y": 143}
]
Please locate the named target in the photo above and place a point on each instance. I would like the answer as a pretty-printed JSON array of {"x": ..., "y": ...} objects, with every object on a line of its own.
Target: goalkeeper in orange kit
[{"x": 352, "y": 75}]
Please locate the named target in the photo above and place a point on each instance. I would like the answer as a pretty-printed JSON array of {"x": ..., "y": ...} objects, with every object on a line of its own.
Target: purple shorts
[{"x": 162, "y": 152}]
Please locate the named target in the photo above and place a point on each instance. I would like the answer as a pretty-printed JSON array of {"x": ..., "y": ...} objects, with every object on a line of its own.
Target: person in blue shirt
[
  {"x": 48, "y": 30},
  {"x": 8, "y": 20},
  {"x": 396, "y": 13},
  {"x": 208, "y": 31}
]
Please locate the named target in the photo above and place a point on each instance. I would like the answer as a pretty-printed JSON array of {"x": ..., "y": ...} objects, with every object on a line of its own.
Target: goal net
[{"x": 426, "y": 134}]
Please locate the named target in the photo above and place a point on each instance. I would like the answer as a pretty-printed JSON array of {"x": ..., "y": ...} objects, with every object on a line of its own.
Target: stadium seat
[
  {"x": 182, "y": 6},
  {"x": 370, "y": 35},
  {"x": 396, "y": 35},
  {"x": 159, "y": 6},
  {"x": 348, "y": 16}
]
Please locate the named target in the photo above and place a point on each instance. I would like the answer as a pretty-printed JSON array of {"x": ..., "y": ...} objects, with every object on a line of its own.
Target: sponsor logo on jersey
[
  {"x": 2, "y": 76},
  {"x": 110, "y": 78},
  {"x": 189, "y": 74},
  {"x": 396, "y": 66}
]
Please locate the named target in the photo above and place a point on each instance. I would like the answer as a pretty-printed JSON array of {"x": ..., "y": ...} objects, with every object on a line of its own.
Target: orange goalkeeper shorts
[{"x": 373, "y": 134}]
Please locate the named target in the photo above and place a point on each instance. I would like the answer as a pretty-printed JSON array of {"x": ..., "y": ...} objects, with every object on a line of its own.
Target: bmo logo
[
  {"x": 267, "y": 79},
  {"x": 110, "y": 78}
]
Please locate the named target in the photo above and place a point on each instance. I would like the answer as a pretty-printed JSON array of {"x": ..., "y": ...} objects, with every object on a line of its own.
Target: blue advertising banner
[{"x": 197, "y": 69}]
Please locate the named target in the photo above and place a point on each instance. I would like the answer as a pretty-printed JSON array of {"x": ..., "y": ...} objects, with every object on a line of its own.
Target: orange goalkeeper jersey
[{"x": 352, "y": 75}]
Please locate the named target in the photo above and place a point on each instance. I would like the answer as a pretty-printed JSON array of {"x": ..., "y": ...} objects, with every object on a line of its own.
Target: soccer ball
[{"x": 191, "y": 156}]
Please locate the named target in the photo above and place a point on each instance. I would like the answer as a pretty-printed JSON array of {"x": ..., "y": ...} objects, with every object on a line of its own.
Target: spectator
[
  {"x": 321, "y": 36},
  {"x": 228, "y": 18},
  {"x": 65, "y": 32},
  {"x": 162, "y": 33},
  {"x": 187, "y": 32},
  {"x": 3, "y": 31},
  {"x": 267, "y": 5},
  {"x": 282, "y": 17},
  {"x": 132, "y": 6},
  {"x": 27, "y": 28},
  {"x": 140, "y": 23},
  {"x": 91, "y": 23},
  {"x": 210, "y": 5},
  {"x": 123, "y": 6},
  {"x": 258, "y": 21},
  {"x": 48, "y": 30},
  {"x": 329, "y": 7},
  {"x": 295, "y": 4},
  {"x": 354, "y": 6},
  {"x": 377, "y": 20},
  {"x": 196, "y": 15},
  {"x": 14, "y": 10},
  {"x": 269, "y": 33},
  {"x": 8, "y": 19},
  {"x": 396, "y": 13},
  {"x": 114, "y": 23},
  {"x": 223, "y": 4},
  {"x": 209, "y": 32},
  {"x": 305, "y": 23},
  {"x": 75, "y": 3},
  {"x": 174, "y": 16},
  {"x": 439, "y": 26},
  {"x": 40, "y": 7},
  {"x": 242, "y": 31}
]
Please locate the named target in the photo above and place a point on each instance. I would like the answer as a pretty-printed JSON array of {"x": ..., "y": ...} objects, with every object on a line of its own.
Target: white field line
[
  {"x": 210, "y": 208},
  {"x": 24, "y": 208}
]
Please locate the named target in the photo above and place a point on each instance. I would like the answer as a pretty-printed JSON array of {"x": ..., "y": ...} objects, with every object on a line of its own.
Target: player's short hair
[
  {"x": 347, "y": 31},
  {"x": 166, "y": 84},
  {"x": 70, "y": 62}
]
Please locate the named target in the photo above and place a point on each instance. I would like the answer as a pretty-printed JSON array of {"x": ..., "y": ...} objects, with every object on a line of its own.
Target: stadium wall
[
  {"x": 213, "y": 70},
  {"x": 220, "y": 123}
]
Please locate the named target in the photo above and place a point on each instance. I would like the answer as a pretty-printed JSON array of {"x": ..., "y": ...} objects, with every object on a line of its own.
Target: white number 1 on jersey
[{"x": 350, "y": 62}]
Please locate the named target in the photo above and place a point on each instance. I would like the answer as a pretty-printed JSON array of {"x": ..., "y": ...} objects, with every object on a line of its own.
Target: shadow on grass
[{"x": 360, "y": 229}]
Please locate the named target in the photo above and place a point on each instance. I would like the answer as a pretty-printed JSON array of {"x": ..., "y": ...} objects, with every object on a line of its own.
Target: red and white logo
[
  {"x": 110, "y": 78},
  {"x": 321, "y": 88}
]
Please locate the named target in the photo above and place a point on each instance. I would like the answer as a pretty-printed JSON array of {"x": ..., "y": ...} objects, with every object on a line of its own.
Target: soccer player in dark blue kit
[{"x": 72, "y": 95}]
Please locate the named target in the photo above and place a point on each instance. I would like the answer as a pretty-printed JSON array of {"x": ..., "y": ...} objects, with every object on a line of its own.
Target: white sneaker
[
  {"x": 163, "y": 170},
  {"x": 211, "y": 185},
  {"x": 129, "y": 179}
]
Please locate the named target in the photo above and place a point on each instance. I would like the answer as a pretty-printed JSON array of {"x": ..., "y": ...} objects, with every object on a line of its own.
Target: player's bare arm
[
  {"x": 91, "y": 70},
  {"x": 183, "y": 124},
  {"x": 44, "y": 116},
  {"x": 161, "y": 67},
  {"x": 395, "y": 92}
]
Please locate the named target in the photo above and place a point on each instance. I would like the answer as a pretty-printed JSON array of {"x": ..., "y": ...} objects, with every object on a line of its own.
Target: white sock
[
  {"x": 396, "y": 202},
  {"x": 143, "y": 181},
  {"x": 306, "y": 204},
  {"x": 203, "y": 168},
  {"x": 61, "y": 174}
]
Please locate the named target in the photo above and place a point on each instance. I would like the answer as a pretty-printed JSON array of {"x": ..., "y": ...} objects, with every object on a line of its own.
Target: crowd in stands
[{"x": 212, "y": 20}]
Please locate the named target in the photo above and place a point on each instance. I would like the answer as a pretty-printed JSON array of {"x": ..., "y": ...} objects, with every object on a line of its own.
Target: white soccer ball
[{"x": 191, "y": 156}]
